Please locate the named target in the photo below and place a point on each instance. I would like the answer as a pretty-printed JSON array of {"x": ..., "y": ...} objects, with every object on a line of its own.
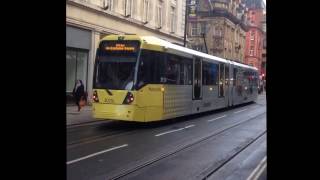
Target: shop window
[{"x": 76, "y": 67}]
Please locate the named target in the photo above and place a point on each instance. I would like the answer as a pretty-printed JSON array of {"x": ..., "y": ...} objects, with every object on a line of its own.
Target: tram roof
[
  {"x": 169, "y": 45},
  {"x": 166, "y": 44}
]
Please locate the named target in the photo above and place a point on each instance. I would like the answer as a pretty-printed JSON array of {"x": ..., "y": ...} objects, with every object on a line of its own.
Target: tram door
[{"x": 197, "y": 78}]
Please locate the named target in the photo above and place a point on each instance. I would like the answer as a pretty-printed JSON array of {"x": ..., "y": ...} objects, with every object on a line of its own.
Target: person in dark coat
[{"x": 79, "y": 93}]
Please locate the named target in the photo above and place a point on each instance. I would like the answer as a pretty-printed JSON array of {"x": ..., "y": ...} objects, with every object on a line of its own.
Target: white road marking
[
  {"x": 167, "y": 132},
  {"x": 217, "y": 118},
  {"x": 189, "y": 126},
  {"x": 256, "y": 173},
  {"x": 240, "y": 110},
  {"x": 97, "y": 153}
]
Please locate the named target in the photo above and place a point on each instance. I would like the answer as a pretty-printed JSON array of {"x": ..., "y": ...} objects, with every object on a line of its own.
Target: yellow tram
[{"x": 144, "y": 78}]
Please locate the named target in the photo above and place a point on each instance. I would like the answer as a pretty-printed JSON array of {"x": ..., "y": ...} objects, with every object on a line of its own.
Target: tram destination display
[{"x": 120, "y": 47}]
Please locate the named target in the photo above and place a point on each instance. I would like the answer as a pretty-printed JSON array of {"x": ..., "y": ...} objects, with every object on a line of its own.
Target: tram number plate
[{"x": 109, "y": 101}]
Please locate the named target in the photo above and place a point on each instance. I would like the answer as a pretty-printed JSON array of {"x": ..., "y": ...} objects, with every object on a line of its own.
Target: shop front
[{"x": 78, "y": 47}]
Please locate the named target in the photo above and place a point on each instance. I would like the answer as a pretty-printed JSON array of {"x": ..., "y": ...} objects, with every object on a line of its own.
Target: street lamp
[
  {"x": 205, "y": 43},
  {"x": 185, "y": 25}
]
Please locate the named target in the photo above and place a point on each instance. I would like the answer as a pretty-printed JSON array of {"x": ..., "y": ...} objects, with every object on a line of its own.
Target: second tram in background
[{"x": 144, "y": 78}]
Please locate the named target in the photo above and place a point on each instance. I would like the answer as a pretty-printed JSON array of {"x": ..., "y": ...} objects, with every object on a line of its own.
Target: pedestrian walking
[{"x": 79, "y": 94}]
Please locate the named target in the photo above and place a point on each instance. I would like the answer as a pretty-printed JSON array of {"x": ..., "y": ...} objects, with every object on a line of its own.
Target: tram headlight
[
  {"x": 95, "y": 96},
  {"x": 129, "y": 98}
]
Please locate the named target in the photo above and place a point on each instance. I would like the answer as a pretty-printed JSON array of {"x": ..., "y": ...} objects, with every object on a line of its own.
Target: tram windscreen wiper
[{"x": 109, "y": 92}]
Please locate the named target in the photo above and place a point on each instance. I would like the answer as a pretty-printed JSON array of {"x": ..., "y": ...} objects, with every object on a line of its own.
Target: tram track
[
  {"x": 181, "y": 148},
  {"x": 89, "y": 134},
  {"x": 83, "y": 124},
  {"x": 90, "y": 139},
  {"x": 210, "y": 171},
  {"x": 105, "y": 130},
  {"x": 94, "y": 132}
]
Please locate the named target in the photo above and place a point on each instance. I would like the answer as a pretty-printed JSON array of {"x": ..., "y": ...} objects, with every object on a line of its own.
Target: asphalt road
[{"x": 223, "y": 144}]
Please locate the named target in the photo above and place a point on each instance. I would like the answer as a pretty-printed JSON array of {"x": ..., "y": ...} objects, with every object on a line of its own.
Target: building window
[
  {"x": 251, "y": 51},
  {"x": 128, "y": 8},
  {"x": 146, "y": 7},
  {"x": 218, "y": 31},
  {"x": 226, "y": 45},
  {"x": 252, "y": 34},
  {"x": 194, "y": 29},
  {"x": 252, "y": 43},
  {"x": 76, "y": 67},
  {"x": 236, "y": 37},
  {"x": 159, "y": 15},
  {"x": 173, "y": 19}
]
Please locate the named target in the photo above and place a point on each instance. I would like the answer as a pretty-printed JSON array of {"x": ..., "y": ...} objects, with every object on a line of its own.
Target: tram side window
[
  {"x": 151, "y": 68},
  {"x": 186, "y": 72},
  {"x": 190, "y": 71},
  {"x": 239, "y": 82},
  {"x": 221, "y": 80},
  {"x": 252, "y": 84},
  {"x": 173, "y": 69},
  {"x": 160, "y": 68},
  {"x": 249, "y": 75},
  {"x": 256, "y": 79},
  {"x": 248, "y": 80},
  {"x": 206, "y": 80},
  {"x": 235, "y": 71},
  {"x": 214, "y": 68},
  {"x": 209, "y": 73},
  {"x": 227, "y": 76},
  {"x": 245, "y": 77}
]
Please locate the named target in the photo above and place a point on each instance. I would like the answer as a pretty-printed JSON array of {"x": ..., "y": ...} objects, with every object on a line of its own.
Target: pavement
[{"x": 74, "y": 117}]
